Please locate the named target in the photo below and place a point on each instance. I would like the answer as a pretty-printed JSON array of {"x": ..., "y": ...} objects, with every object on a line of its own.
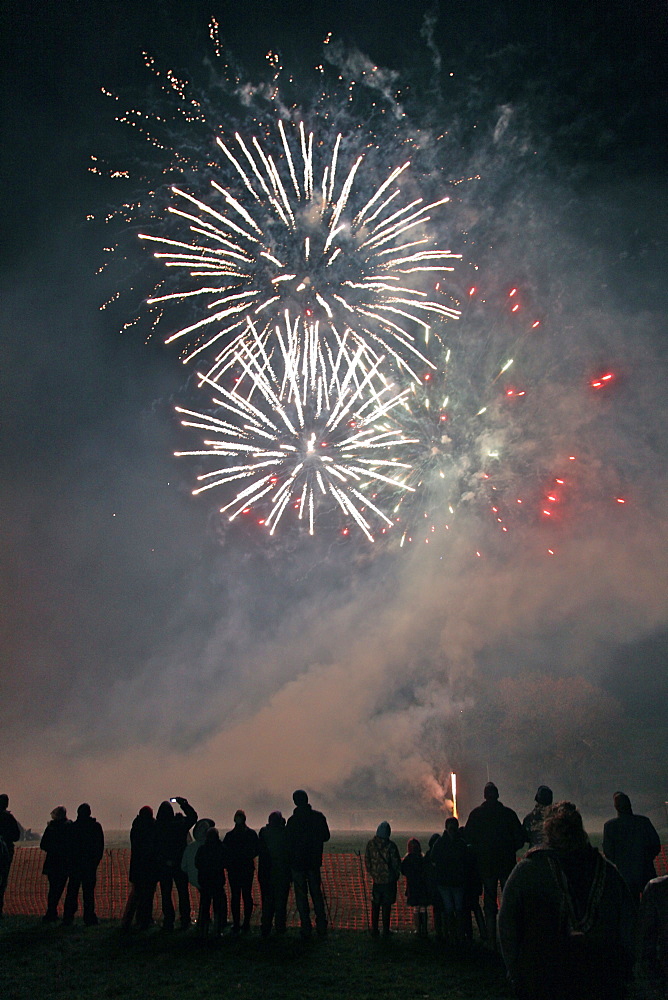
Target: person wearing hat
[
  {"x": 495, "y": 834},
  {"x": 533, "y": 821}
]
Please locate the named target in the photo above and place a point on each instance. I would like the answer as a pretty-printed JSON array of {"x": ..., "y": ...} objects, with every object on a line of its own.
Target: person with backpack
[
  {"x": 383, "y": 864},
  {"x": 567, "y": 920}
]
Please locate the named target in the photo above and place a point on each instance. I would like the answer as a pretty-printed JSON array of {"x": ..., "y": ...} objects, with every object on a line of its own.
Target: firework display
[
  {"x": 351, "y": 378},
  {"x": 346, "y": 273}
]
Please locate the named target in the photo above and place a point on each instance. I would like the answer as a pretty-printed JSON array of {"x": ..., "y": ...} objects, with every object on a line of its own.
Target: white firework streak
[
  {"x": 303, "y": 429},
  {"x": 295, "y": 244}
]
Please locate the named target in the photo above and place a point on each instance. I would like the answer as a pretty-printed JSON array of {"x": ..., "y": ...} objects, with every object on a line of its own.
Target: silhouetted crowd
[{"x": 573, "y": 920}]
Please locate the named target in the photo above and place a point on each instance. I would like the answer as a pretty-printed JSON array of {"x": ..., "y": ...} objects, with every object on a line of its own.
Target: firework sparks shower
[
  {"x": 307, "y": 427},
  {"x": 313, "y": 246}
]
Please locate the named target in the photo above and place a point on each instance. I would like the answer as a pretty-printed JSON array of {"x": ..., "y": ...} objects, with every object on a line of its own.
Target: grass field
[{"x": 40, "y": 963}]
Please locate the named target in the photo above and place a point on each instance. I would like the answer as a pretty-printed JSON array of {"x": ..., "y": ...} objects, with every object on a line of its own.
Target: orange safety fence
[{"x": 346, "y": 886}]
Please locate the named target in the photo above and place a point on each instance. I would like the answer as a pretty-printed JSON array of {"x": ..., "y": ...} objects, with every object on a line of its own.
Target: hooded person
[
  {"x": 274, "y": 873},
  {"x": 241, "y": 847},
  {"x": 566, "y": 924},
  {"x": 495, "y": 834},
  {"x": 307, "y": 831},
  {"x": 383, "y": 863},
  {"x": 56, "y": 843},
  {"x": 171, "y": 837},
  {"x": 87, "y": 849},
  {"x": 631, "y": 843},
  {"x": 533, "y": 821}
]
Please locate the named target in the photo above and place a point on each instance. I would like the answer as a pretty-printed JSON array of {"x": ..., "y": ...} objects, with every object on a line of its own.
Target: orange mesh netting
[{"x": 345, "y": 883}]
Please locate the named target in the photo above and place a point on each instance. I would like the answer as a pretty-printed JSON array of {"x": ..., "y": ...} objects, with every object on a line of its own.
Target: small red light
[
  {"x": 535, "y": 324},
  {"x": 515, "y": 307},
  {"x": 472, "y": 291},
  {"x": 513, "y": 291}
]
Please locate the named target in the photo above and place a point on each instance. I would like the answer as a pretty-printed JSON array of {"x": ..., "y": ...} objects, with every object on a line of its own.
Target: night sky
[{"x": 147, "y": 652}]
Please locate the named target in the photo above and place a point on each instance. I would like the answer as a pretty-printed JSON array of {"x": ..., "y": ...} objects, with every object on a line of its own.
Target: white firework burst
[
  {"x": 304, "y": 425},
  {"x": 338, "y": 250}
]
